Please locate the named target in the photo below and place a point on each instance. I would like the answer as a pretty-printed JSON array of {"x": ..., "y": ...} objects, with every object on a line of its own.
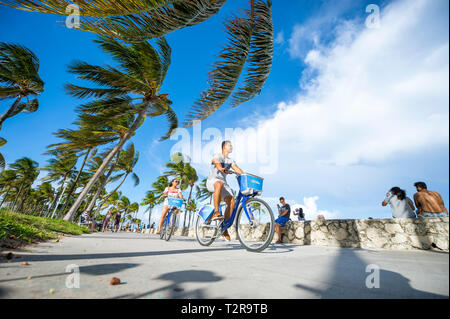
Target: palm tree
[
  {"x": 202, "y": 192},
  {"x": 7, "y": 180},
  {"x": 19, "y": 79},
  {"x": 159, "y": 186},
  {"x": 26, "y": 171},
  {"x": 60, "y": 168},
  {"x": 141, "y": 72},
  {"x": 127, "y": 161},
  {"x": 250, "y": 38},
  {"x": 191, "y": 207},
  {"x": 192, "y": 178},
  {"x": 2, "y": 158},
  {"x": 46, "y": 194},
  {"x": 151, "y": 200}
]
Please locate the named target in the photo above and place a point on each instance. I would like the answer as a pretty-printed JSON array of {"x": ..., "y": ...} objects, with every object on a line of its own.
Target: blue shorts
[{"x": 282, "y": 220}]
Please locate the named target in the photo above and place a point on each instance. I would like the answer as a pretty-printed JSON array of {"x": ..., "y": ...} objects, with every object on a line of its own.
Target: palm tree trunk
[
  {"x": 59, "y": 193},
  {"x": 23, "y": 199},
  {"x": 189, "y": 199},
  {"x": 103, "y": 186},
  {"x": 105, "y": 163},
  {"x": 4, "y": 197},
  {"x": 109, "y": 195},
  {"x": 72, "y": 189},
  {"x": 18, "y": 194},
  {"x": 10, "y": 111},
  {"x": 150, "y": 216}
]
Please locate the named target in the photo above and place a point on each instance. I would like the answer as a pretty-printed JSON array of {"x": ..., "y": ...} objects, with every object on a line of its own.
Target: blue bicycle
[
  {"x": 255, "y": 223},
  {"x": 170, "y": 221}
]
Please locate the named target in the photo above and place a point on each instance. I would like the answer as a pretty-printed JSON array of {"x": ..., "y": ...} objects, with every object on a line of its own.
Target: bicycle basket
[
  {"x": 177, "y": 202},
  {"x": 206, "y": 212},
  {"x": 250, "y": 184}
]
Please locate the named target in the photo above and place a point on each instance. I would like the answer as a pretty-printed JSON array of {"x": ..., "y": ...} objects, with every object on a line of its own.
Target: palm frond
[
  {"x": 27, "y": 107},
  {"x": 135, "y": 179},
  {"x": 153, "y": 23},
  {"x": 98, "y": 8},
  {"x": 261, "y": 53},
  {"x": 226, "y": 71},
  {"x": 83, "y": 92},
  {"x": 108, "y": 76},
  {"x": 9, "y": 92}
]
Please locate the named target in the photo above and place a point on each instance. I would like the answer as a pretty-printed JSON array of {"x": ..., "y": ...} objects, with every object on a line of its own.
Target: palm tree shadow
[
  {"x": 177, "y": 278},
  {"x": 96, "y": 270},
  {"x": 351, "y": 279}
]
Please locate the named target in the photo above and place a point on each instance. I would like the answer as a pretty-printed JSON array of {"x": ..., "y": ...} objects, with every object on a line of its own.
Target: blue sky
[{"x": 356, "y": 110}]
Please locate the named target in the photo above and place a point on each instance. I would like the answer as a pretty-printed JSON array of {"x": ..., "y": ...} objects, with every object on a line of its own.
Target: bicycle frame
[{"x": 227, "y": 223}]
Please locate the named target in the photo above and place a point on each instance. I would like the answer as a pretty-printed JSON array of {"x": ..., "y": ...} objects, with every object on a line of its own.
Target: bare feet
[{"x": 216, "y": 216}]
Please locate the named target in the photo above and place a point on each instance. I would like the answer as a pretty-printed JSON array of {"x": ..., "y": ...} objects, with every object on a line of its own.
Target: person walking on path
[
  {"x": 106, "y": 221},
  {"x": 401, "y": 205},
  {"x": 117, "y": 221},
  {"x": 429, "y": 203}
]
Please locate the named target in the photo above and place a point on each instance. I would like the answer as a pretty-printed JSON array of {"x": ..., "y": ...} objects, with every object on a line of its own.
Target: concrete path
[{"x": 181, "y": 268}]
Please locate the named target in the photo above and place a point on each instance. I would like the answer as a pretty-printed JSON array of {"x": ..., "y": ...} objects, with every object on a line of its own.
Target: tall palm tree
[
  {"x": 151, "y": 200},
  {"x": 250, "y": 38},
  {"x": 141, "y": 72},
  {"x": 19, "y": 79}
]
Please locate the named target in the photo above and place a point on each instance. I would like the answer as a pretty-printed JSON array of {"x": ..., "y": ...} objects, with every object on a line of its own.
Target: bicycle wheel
[
  {"x": 171, "y": 222},
  {"x": 206, "y": 233},
  {"x": 256, "y": 233}
]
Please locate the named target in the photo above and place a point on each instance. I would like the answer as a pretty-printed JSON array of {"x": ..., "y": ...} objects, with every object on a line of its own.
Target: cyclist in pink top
[{"x": 172, "y": 191}]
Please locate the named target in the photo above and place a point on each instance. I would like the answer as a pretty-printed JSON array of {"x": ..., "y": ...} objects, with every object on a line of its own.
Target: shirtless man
[{"x": 429, "y": 203}]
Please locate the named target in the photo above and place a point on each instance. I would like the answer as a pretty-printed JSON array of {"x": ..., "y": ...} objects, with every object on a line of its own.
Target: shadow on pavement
[
  {"x": 177, "y": 278},
  {"x": 350, "y": 275},
  {"x": 97, "y": 270},
  {"x": 2, "y": 292},
  {"x": 31, "y": 257}
]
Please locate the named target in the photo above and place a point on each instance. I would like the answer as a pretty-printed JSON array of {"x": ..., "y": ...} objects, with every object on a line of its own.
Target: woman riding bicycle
[
  {"x": 217, "y": 183},
  {"x": 172, "y": 191}
]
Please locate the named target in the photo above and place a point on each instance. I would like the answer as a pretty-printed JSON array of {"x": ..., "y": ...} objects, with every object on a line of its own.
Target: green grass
[{"x": 33, "y": 228}]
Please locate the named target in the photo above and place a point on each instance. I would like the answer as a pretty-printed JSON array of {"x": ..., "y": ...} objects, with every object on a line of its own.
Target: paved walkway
[{"x": 181, "y": 268}]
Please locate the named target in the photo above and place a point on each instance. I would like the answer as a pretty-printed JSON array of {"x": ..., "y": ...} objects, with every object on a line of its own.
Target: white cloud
[
  {"x": 366, "y": 97},
  {"x": 279, "y": 39},
  {"x": 376, "y": 93}
]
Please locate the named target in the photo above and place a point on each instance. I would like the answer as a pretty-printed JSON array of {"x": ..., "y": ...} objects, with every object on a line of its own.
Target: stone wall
[{"x": 393, "y": 234}]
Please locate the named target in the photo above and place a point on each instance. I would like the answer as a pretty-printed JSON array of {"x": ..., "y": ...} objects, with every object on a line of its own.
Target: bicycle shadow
[{"x": 177, "y": 279}]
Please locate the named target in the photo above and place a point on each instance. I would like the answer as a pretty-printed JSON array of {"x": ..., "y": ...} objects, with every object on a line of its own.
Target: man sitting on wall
[
  {"x": 429, "y": 203},
  {"x": 283, "y": 217}
]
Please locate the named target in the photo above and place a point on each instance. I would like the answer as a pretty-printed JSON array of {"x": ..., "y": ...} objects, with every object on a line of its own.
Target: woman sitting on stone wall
[{"x": 402, "y": 206}]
